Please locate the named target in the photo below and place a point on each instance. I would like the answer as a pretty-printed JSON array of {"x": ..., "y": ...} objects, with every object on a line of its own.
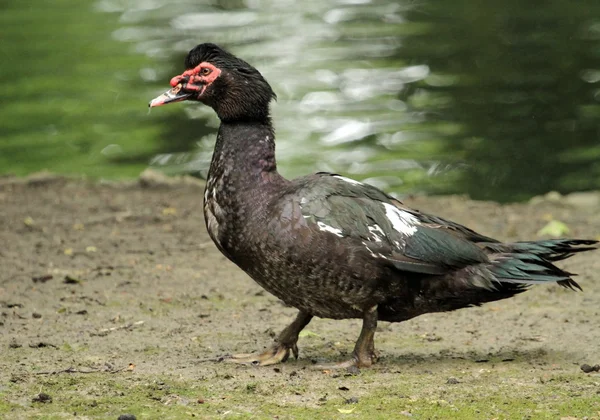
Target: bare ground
[{"x": 113, "y": 300}]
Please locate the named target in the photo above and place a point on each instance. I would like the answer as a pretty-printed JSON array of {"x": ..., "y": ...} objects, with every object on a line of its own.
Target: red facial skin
[
  {"x": 198, "y": 78},
  {"x": 191, "y": 83}
]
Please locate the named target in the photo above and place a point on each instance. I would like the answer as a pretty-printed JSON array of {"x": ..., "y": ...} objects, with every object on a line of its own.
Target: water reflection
[
  {"x": 520, "y": 82},
  {"x": 496, "y": 99},
  {"x": 332, "y": 65}
]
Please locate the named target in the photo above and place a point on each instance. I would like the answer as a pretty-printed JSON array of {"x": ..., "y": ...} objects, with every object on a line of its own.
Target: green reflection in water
[
  {"x": 496, "y": 99},
  {"x": 521, "y": 81},
  {"x": 73, "y": 98}
]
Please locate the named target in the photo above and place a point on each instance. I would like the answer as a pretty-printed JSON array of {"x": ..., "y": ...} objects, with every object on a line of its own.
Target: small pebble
[
  {"x": 589, "y": 369},
  {"x": 353, "y": 370},
  {"x": 36, "y": 315},
  {"x": 452, "y": 381},
  {"x": 41, "y": 279},
  {"x": 42, "y": 398},
  {"x": 351, "y": 400},
  {"x": 126, "y": 417}
]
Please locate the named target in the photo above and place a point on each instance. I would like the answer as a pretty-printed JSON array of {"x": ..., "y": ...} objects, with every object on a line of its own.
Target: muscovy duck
[{"x": 328, "y": 245}]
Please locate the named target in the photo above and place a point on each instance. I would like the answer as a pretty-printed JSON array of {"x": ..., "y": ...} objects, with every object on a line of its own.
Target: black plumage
[{"x": 331, "y": 246}]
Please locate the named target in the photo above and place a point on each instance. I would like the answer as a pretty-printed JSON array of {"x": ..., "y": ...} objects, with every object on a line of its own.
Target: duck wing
[{"x": 387, "y": 230}]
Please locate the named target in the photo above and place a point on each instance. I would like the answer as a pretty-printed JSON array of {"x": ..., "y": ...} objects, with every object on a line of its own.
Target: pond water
[{"x": 500, "y": 100}]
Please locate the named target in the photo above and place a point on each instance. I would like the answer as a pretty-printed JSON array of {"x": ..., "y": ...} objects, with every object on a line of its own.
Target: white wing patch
[
  {"x": 348, "y": 180},
  {"x": 331, "y": 229},
  {"x": 374, "y": 255},
  {"x": 376, "y": 232},
  {"x": 402, "y": 221},
  {"x": 369, "y": 249}
]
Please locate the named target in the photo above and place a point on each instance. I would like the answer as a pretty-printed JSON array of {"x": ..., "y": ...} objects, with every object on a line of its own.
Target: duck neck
[{"x": 244, "y": 155}]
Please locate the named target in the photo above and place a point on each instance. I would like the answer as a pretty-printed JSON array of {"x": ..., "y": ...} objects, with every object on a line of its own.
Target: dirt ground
[{"x": 114, "y": 301}]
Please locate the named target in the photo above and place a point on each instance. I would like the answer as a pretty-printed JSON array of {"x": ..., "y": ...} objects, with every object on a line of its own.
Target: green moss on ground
[{"x": 503, "y": 393}]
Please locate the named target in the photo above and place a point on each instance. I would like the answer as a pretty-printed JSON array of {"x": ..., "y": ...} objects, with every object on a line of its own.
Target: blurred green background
[{"x": 500, "y": 100}]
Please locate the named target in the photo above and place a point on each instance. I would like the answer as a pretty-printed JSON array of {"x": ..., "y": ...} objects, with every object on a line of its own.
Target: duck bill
[{"x": 172, "y": 95}]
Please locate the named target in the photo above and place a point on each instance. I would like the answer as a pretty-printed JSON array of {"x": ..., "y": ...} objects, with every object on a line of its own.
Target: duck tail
[
  {"x": 549, "y": 250},
  {"x": 532, "y": 262}
]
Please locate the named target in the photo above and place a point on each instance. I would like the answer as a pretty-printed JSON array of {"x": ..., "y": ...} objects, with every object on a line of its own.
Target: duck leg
[
  {"x": 364, "y": 354},
  {"x": 280, "y": 350}
]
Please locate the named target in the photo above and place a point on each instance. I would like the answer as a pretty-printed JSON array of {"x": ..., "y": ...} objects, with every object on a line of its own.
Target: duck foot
[
  {"x": 356, "y": 362},
  {"x": 364, "y": 354},
  {"x": 279, "y": 352}
]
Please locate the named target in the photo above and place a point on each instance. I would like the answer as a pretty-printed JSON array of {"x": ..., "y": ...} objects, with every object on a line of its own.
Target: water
[{"x": 497, "y": 100}]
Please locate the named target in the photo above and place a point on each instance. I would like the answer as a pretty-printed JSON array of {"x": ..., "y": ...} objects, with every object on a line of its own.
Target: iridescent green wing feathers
[
  {"x": 386, "y": 229},
  {"x": 416, "y": 242}
]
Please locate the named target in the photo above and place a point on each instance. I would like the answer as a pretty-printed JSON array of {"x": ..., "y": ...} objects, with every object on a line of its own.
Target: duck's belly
[
  {"x": 319, "y": 288},
  {"x": 305, "y": 295}
]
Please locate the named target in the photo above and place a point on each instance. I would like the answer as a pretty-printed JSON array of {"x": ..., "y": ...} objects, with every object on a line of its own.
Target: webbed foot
[
  {"x": 356, "y": 361},
  {"x": 279, "y": 352}
]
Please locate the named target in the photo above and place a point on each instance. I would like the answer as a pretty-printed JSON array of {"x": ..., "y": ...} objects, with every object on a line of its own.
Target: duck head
[{"x": 229, "y": 85}]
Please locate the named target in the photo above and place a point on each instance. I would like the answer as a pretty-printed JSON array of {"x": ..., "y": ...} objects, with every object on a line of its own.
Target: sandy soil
[{"x": 122, "y": 281}]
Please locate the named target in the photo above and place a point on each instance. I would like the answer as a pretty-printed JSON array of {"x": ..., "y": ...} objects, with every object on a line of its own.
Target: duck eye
[{"x": 205, "y": 71}]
